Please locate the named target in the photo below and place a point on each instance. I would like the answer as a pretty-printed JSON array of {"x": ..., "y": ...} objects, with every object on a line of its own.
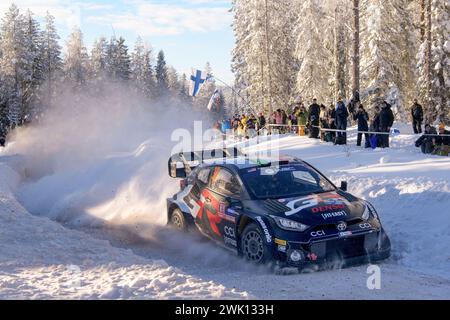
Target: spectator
[
  {"x": 386, "y": 122},
  {"x": 323, "y": 119},
  {"x": 375, "y": 127},
  {"x": 341, "y": 122},
  {"x": 302, "y": 116},
  {"x": 261, "y": 121},
  {"x": 313, "y": 119},
  {"x": 362, "y": 118},
  {"x": 441, "y": 142},
  {"x": 417, "y": 117},
  {"x": 332, "y": 121},
  {"x": 426, "y": 142}
]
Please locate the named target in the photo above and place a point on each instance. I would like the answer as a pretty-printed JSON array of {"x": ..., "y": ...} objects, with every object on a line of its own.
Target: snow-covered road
[{"x": 109, "y": 200}]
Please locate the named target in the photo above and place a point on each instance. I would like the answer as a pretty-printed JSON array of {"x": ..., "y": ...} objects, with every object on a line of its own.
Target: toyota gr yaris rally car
[{"x": 284, "y": 211}]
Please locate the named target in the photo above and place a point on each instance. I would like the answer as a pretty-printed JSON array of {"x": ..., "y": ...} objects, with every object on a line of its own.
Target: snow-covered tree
[
  {"x": 118, "y": 60},
  {"x": 51, "y": 62},
  {"x": 440, "y": 63},
  {"x": 382, "y": 48},
  {"x": 313, "y": 75},
  {"x": 141, "y": 68},
  {"x": 14, "y": 63},
  {"x": 98, "y": 60},
  {"x": 161, "y": 74},
  {"x": 76, "y": 60}
]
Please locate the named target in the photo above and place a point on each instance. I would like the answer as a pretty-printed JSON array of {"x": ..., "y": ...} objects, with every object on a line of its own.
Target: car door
[{"x": 218, "y": 221}]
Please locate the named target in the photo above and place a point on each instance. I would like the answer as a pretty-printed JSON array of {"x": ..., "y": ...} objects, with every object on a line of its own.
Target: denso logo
[{"x": 328, "y": 208}]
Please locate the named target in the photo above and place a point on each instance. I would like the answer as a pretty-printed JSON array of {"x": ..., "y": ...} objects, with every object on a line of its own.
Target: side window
[
  {"x": 203, "y": 175},
  {"x": 224, "y": 182}
]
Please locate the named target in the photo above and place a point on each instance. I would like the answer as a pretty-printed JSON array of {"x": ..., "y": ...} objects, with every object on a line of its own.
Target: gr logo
[
  {"x": 374, "y": 280},
  {"x": 229, "y": 231}
]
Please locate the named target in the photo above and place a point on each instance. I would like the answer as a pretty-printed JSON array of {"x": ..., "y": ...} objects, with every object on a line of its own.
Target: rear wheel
[
  {"x": 177, "y": 220},
  {"x": 253, "y": 246}
]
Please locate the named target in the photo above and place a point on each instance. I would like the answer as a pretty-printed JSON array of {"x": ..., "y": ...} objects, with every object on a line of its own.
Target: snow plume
[{"x": 100, "y": 158}]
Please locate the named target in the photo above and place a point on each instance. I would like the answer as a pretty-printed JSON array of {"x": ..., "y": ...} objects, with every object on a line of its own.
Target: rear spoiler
[{"x": 181, "y": 164}]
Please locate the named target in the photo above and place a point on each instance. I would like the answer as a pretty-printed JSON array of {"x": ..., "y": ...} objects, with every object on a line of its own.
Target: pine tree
[
  {"x": 440, "y": 61},
  {"x": 51, "y": 61},
  {"x": 118, "y": 61},
  {"x": 98, "y": 60},
  {"x": 313, "y": 77},
  {"x": 141, "y": 69},
  {"x": 76, "y": 62},
  {"x": 34, "y": 72},
  {"x": 161, "y": 75},
  {"x": 13, "y": 63}
]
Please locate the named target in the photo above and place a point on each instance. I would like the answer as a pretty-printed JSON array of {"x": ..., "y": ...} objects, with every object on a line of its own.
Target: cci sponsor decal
[
  {"x": 319, "y": 233},
  {"x": 264, "y": 227},
  {"x": 229, "y": 231},
  {"x": 328, "y": 215},
  {"x": 365, "y": 226}
]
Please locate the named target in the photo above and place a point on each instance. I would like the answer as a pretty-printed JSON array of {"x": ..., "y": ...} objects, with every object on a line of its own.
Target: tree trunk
[
  {"x": 428, "y": 69},
  {"x": 339, "y": 47},
  {"x": 422, "y": 20},
  {"x": 269, "y": 68},
  {"x": 356, "y": 58}
]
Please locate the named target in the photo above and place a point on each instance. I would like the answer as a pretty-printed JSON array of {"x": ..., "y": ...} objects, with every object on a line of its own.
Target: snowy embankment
[{"x": 41, "y": 259}]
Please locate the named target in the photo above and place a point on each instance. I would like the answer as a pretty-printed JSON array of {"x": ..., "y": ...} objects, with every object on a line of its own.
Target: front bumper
[{"x": 337, "y": 251}]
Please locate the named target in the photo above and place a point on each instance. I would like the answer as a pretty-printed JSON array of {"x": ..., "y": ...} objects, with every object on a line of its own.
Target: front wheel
[
  {"x": 177, "y": 220},
  {"x": 253, "y": 247}
]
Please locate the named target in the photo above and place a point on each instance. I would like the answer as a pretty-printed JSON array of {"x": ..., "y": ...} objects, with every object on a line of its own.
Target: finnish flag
[{"x": 198, "y": 78}]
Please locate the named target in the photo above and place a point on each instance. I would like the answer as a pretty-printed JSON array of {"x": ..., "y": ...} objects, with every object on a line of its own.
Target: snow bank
[{"x": 40, "y": 259}]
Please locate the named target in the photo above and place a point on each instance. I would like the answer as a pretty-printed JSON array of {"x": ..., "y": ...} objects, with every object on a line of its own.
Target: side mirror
[
  {"x": 343, "y": 186},
  {"x": 232, "y": 202}
]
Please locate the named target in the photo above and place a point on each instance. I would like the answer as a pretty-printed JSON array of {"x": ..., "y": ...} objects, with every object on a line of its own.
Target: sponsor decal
[
  {"x": 229, "y": 231},
  {"x": 222, "y": 207},
  {"x": 280, "y": 242},
  {"x": 342, "y": 226},
  {"x": 328, "y": 208},
  {"x": 266, "y": 231},
  {"x": 365, "y": 226},
  {"x": 227, "y": 217},
  {"x": 282, "y": 248},
  {"x": 319, "y": 233},
  {"x": 328, "y": 215},
  {"x": 345, "y": 234},
  {"x": 319, "y": 203},
  {"x": 230, "y": 241}
]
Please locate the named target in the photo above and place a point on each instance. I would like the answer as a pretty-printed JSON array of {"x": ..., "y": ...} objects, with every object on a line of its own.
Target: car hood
[{"x": 314, "y": 209}]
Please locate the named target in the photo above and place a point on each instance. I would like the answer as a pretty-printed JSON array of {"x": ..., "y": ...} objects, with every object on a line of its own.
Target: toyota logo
[{"x": 342, "y": 226}]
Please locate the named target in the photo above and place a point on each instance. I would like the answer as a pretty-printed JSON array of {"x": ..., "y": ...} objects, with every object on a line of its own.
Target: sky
[{"x": 191, "y": 32}]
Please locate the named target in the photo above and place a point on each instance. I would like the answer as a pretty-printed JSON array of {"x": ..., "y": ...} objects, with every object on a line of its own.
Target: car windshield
[{"x": 284, "y": 181}]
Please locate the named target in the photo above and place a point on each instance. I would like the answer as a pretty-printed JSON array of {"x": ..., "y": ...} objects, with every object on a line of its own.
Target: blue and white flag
[
  {"x": 198, "y": 78},
  {"x": 214, "y": 102}
]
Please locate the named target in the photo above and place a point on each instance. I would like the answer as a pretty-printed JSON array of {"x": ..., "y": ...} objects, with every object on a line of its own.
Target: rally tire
[
  {"x": 253, "y": 246},
  {"x": 178, "y": 221}
]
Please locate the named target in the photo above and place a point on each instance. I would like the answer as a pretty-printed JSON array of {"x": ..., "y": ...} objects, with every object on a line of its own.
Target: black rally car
[{"x": 280, "y": 210}]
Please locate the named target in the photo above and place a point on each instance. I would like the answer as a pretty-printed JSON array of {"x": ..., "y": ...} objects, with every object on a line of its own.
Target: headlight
[
  {"x": 366, "y": 213},
  {"x": 291, "y": 225}
]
